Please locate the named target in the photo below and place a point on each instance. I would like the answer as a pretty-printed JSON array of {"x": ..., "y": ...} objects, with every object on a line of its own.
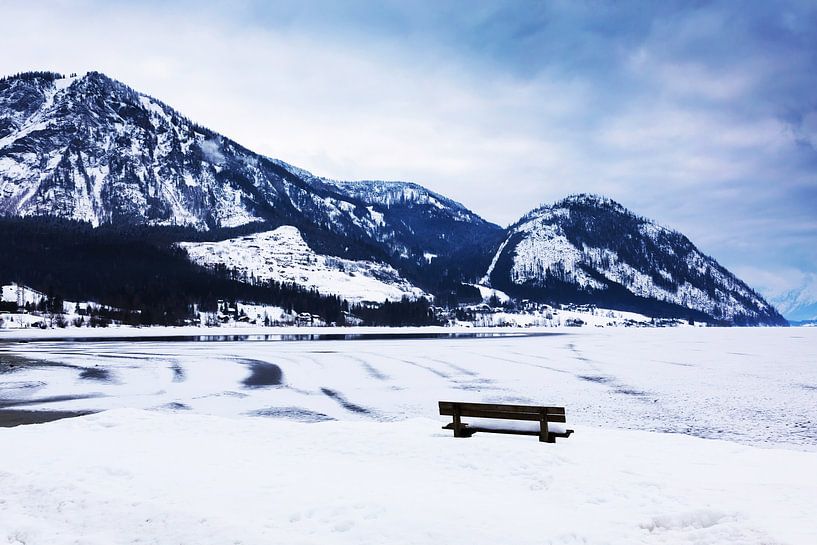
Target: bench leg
[
  {"x": 458, "y": 428},
  {"x": 544, "y": 435}
]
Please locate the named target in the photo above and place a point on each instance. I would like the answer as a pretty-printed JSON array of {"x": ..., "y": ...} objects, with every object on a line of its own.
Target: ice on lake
[{"x": 755, "y": 386}]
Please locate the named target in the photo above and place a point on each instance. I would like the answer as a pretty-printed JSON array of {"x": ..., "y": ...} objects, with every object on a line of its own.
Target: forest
[{"x": 139, "y": 271}]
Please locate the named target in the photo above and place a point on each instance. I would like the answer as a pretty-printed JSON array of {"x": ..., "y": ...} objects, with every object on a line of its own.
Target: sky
[{"x": 700, "y": 115}]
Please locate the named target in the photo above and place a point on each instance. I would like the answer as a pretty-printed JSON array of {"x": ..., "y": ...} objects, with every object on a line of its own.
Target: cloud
[
  {"x": 700, "y": 116},
  {"x": 808, "y": 129}
]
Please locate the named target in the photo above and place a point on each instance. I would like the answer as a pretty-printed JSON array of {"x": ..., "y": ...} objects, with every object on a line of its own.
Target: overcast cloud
[{"x": 703, "y": 117}]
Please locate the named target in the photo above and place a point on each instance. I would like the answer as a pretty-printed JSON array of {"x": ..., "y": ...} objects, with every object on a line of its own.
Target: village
[{"x": 22, "y": 307}]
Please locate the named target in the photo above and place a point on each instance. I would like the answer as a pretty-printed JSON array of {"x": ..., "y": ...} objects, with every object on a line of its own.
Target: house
[{"x": 304, "y": 318}]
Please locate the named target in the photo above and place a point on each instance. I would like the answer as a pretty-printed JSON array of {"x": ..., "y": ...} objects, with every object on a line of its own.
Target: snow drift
[{"x": 129, "y": 476}]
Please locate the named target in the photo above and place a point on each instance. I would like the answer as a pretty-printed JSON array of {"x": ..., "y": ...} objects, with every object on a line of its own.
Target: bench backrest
[{"x": 507, "y": 412}]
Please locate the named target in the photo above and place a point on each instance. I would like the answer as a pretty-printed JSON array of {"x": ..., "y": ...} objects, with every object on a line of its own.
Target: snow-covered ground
[
  {"x": 756, "y": 386},
  {"x": 339, "y": 441},
  {"x": 284, "y": 256},
  {"x": 487, "y": 293},
  {"x": 130, "y": 476},
  {"x": 549, "y": 317}
]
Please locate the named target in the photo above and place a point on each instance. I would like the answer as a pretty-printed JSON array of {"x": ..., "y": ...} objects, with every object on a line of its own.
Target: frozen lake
[
  {"x": 754, "y": 386},
  {"x": 261, "y": 440}
]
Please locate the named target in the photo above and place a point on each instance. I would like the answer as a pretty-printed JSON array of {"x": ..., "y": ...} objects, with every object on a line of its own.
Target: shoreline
[
  {"x": 149, "y": 332},
  {"x": 11, "y": 418}
]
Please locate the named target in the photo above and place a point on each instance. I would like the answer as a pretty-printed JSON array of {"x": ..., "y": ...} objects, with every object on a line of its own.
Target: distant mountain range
[
  {"x": 91, "y": 149},
  {"x": 799, "y": 304}
]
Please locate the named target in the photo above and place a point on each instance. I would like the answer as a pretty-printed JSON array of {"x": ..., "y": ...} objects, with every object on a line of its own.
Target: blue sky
[{"x": 701, "y": 115}]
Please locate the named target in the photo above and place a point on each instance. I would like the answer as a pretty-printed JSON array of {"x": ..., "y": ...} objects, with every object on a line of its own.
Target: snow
[
  {"x": 15, "y": 320},
  {"x": 189, "y": 180},
  {"x": 260, "y": 313},
  {"x": 387, "y": 194},
  {"x": 190, "y": 192},
  {"x": 130, "y": 476},
  {"x": 799, "y": 303},
  {"x": 756, "y": 386},
  {"x": 486, "y": 280},
  {"x": 11, "y": 169},
  {"x": 487, "y": 292},
  {"x": 284, "y": 256},
  {"x": 377, "y": 217},
  {"x": 229, "y": 211},
  {"x": 554, "y": 317},
  {"x": 543, "y": 250},
  {"x": 346, "y": 447},
  {"x": 152, "y": 107}
]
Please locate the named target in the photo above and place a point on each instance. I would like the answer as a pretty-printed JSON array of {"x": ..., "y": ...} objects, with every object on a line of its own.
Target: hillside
[
  {"x": 591, "y": 249},
  {"x": 282, "y": 255}
]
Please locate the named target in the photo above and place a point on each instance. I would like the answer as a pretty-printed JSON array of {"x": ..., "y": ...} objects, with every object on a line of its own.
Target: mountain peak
[
  {"x": 43, "y": 75},
  {"x": 577, "y": 202},
  {"x": 589, "y": 200}
]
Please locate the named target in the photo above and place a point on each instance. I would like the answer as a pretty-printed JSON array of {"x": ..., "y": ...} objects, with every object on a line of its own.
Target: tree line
[{"x": 146, "y": 279}]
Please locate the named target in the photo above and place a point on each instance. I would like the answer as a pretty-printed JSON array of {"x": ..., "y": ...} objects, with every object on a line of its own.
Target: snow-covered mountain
[
  {"x": 283, "y": 255},
  {"x": 799, "y": 304},
  {"x": 90, "y": 148},
  {"x": 591, "y": 249},
  {"x": 425, "y": 232},
  {"x": 436, "y": 220}
]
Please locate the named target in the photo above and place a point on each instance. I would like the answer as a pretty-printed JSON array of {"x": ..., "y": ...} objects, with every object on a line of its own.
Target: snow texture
[
  {"x": 130, "y": 476},
  {"x": 283, "y": 255},
  {"x": 756, "y": 386},
  {"x": 340, "y": 441}
]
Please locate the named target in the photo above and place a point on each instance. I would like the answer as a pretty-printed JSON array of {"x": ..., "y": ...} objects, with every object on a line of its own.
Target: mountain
[
  {"x": 92, "y": 149},
  {"x": 282, "y": 255},
  {"x": 803, "y": 323},
  {"x": 434, "y": 239},
  {"x": 799, "y": 304},
  {"x": 589, "y": 249}
]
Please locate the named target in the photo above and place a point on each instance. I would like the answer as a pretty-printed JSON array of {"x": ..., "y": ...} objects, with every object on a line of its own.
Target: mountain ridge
[
  {"x": 590, "y": 248},
  {"x": 90, "y": 148},
  {"x": 93, "y": 149}
]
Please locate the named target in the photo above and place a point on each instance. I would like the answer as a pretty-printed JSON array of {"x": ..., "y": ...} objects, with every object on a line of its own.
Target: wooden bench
[{"x": 532, "y": 413}]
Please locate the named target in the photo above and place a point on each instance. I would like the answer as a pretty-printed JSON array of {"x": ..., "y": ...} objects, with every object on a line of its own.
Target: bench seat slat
[
  {"x": 448, "y": 406},
  {"x": 509, "y": 416},
  {"x": 511, "y": 412}
]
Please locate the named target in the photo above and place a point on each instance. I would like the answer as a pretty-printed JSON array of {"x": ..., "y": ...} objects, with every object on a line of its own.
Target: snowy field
[
  {"x": 339, "y": 441},
  {"x": 755, "y": 386}
]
